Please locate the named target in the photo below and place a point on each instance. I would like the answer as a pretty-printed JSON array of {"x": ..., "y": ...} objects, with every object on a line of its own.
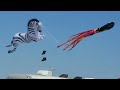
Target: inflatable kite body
[
  {"x": 33, "y": 34},
  {"x": 75, "y": 39}
]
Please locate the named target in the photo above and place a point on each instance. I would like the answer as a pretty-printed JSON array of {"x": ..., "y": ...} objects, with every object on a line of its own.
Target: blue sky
[{"x": 96, "y": 56}]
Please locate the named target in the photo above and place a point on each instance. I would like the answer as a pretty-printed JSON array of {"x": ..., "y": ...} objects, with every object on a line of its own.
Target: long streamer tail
[{"x": 71, "y": 39}]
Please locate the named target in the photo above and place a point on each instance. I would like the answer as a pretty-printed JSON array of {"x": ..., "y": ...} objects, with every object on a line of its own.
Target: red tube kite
[{"x": 75, "y": 39}]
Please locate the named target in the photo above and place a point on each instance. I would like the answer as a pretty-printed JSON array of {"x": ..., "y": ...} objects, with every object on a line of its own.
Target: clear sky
[{"x": 97, "y": 56}]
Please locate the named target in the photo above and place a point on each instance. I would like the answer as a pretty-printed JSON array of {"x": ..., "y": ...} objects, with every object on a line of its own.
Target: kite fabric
[
  {"x": 75, "y": 39},
  {"x": 44, "y": 59},
  {"x": 33, "y": 34},
  {"x": 44, "y": 52}
]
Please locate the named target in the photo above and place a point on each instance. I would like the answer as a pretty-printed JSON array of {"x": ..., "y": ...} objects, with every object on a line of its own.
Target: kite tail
[
  {"x": 63, "y": 44},
  {"x": 67, "y": 46},
  {"x": 72, "y": 38},
  {"x": 75, "y": 35},
  {"x": 73, "y": 44},
  {"x": 60, "y": 45}
]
